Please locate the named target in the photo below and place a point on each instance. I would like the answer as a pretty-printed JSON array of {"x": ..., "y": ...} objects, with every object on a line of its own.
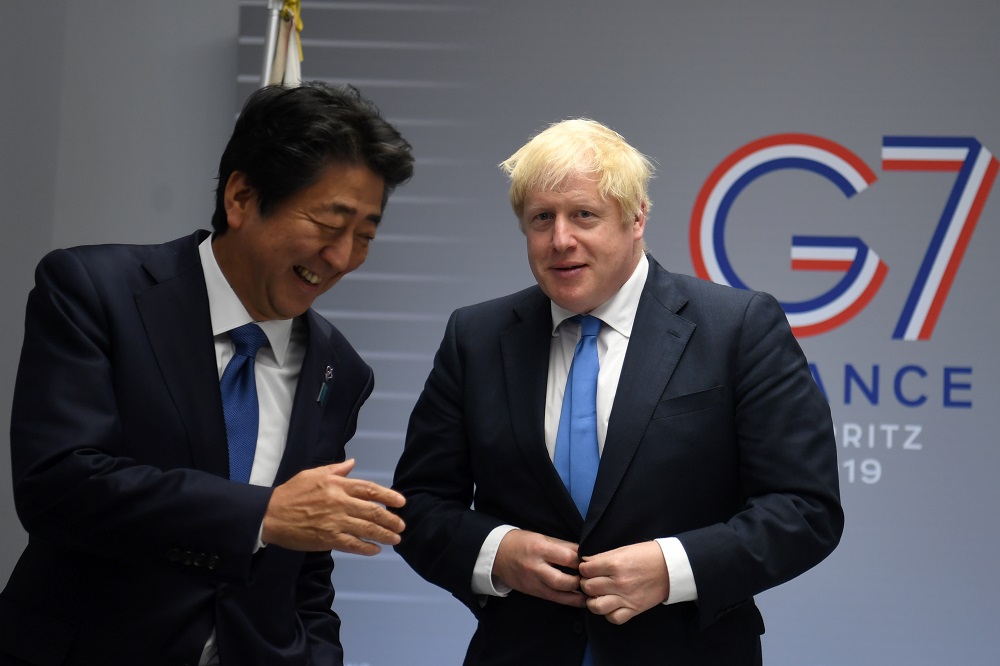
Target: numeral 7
[{"x": 977, "y": 169}]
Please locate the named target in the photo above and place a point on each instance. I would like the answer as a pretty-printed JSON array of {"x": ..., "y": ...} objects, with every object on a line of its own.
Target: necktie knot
[
  {"x": 589, "y": 325},
  {"x": 248, "y": 339}
]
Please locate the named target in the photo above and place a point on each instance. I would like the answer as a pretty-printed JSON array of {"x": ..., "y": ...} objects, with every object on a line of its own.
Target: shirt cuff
[
  {"x": 260, "y": 539},
  {"x": 682, "y": 585},
  {"x": 483, "y": 580}
]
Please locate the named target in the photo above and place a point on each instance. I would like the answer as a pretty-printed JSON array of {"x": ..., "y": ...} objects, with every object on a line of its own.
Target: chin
[
  {"x": 290, "y": 311},
  {"x": 571, "y": 305}
]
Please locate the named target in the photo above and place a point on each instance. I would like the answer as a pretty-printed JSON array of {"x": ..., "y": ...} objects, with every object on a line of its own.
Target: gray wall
[
  {"x": 115, "y": 134},
  {"x": 28, "y": 118}
]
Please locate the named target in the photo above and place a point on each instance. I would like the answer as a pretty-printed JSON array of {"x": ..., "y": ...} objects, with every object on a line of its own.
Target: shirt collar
[
  {"x": 227, "y": 311},
  {"x": 618, "y": 312}
]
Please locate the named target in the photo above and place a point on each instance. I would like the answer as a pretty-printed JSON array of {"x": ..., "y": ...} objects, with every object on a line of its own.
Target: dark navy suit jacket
[
  {"x": 718, "y": 435},
  {"x": 138, "y": 544}
]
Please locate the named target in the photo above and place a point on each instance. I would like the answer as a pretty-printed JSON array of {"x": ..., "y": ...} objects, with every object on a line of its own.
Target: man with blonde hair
[{"x": 608, "y": 466}]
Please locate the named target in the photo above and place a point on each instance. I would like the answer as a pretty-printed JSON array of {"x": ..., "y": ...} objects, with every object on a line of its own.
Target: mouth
[
  {"x": 566, "y": 269},
  {"x": 307, "y": 275}
]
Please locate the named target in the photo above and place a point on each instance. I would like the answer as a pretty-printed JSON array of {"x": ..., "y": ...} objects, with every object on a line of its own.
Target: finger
[
  {"x": 594, "y": 566},
  {"x": 381, "y": 535},
  {"x": 596, "y": 587},
  {"x": 372, "y": 492},
  {"x": 348, "y": 544},
  {"x": 377, "y": 515},
  {"x": 566, "y": 544},
  {"x": 562, "y": 554},
  {"x": 341, "y": 468},
  {"x": 558, "y": 580},
  {"x": 604, "y": 604},
  {"x": 620, "y": 616},
  {"x": 370, "y": 531}
]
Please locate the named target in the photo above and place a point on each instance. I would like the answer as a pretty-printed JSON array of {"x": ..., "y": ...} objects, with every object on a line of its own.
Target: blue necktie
[
  {"x": 576, "y": 456},
  {"x": 239, "y": 400}
]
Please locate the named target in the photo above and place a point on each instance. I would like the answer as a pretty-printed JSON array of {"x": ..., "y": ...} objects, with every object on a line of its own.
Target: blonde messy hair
[{"x": 581, "y": 146}]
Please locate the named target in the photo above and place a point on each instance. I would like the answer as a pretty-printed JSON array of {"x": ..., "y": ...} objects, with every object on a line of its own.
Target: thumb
[{"x": 341, "y": 468}]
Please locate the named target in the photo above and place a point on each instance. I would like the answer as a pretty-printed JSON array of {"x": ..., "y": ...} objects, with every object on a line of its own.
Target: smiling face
[
  {"x": 579, "y": 249},
  {"x": 279, "y": 264}
]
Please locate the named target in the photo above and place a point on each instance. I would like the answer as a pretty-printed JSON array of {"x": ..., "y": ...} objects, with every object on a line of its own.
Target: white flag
[{"x": 283, "y": 48}]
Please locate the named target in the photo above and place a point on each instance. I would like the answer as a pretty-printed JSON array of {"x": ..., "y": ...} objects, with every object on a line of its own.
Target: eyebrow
[
  {"x": 586, "y": 203},
  {"x": 344, "y": 209}
]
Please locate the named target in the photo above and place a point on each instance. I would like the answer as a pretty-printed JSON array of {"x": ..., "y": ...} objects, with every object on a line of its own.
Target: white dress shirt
[
  {"x": 276, "y": 371},
  {"x": 618, "y": 314}
]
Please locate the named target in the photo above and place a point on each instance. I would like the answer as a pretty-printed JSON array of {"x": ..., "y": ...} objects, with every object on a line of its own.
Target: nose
[
  {"x": 337, "y": 253},
  {"x": 562, "y": 234}
]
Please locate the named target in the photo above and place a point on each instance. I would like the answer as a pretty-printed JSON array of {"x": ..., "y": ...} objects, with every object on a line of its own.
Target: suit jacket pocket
[{"x": 685, "y": 404}]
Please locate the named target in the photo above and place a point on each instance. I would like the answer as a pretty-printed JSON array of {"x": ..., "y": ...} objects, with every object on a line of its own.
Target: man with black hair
[{"x": 155, "y": 537}]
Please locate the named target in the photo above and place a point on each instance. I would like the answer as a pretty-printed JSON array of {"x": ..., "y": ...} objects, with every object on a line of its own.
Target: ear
[
  {"x": 639, "y": 221},
  {"x": 240, "y": 199}
]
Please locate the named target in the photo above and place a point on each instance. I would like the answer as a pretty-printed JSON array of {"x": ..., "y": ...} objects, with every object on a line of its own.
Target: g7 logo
[{"x": 863, "y": 270}]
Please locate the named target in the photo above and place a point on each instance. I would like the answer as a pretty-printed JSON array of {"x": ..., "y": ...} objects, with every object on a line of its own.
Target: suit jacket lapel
[
  {"x": 307, "y": 410},
  {"x": 525, "y": 351},
  {"x": 177, "y": 321},
  {"x": 658, "y": 339},
  {"x": 178, "y": 324}
]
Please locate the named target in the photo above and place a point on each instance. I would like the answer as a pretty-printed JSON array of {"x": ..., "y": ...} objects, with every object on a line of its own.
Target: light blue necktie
[
  {"x": 239, "y": 400},
  {"x": 576, "y": 456}
]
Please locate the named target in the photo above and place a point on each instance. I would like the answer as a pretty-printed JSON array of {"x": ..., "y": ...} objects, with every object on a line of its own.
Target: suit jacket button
[
  {"x": 213, "y": 563},
  {"x": 577, "y": 627},
  {"x": 174, "y": 555}
]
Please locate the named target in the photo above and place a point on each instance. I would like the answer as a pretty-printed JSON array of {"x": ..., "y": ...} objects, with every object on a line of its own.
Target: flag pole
[{"x": 271, "y": 40}]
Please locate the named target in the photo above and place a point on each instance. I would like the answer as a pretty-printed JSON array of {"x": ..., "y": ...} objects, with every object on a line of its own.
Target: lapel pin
[{"x": 324, "y": 387}]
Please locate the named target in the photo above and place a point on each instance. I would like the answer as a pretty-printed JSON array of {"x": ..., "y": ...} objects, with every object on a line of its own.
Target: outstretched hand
[{"x": 321, "y": 509}]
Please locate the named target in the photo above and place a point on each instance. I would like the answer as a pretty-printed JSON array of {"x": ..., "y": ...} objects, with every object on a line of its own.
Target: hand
[
  {"x": 321, "y": 509},
  {"x": 527, "y": 561},
  {"x": 626, "y": 581}
]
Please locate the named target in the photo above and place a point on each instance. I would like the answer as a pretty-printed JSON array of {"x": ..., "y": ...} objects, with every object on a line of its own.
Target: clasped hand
[
  {"x": 618, "y": 584},
  {"x": 321, "y": 509}
]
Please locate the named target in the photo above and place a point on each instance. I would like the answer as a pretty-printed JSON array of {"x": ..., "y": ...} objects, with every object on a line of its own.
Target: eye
[
  {"x": 324, "y": 226},
  {"x": 539, "y": 221}
]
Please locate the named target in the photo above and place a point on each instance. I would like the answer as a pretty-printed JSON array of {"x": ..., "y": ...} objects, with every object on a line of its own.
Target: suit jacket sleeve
[
  {"x": 443, "y": 534},
  {"x": 85, "y": 480},
  {"x": 791, "y": 516}
]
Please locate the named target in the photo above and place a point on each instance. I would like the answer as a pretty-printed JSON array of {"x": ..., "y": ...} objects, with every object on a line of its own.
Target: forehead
[{"x": 574, "y": 187}]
